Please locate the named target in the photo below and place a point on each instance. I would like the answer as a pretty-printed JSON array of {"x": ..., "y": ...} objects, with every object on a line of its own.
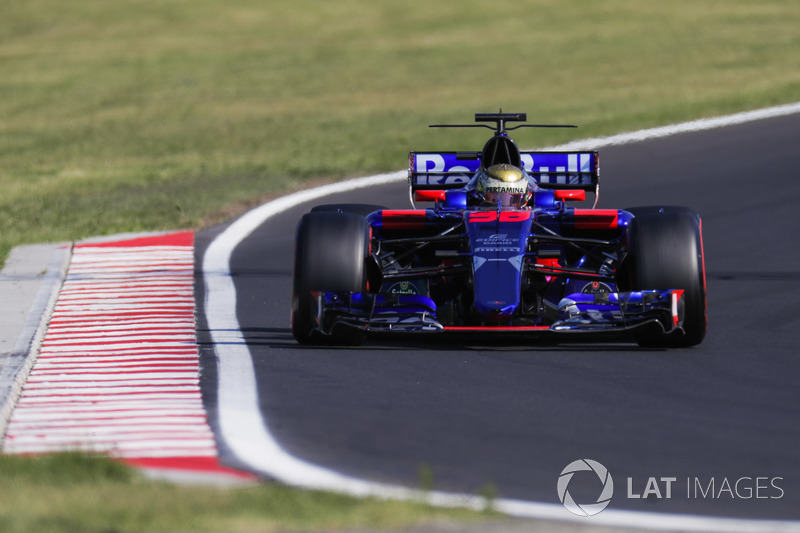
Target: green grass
[
  {"x": 78, "y": 493},
  {"x": 144, "y": 115}
]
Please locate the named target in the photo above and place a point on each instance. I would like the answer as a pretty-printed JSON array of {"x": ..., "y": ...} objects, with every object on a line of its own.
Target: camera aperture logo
[
  {"x": 581, "y": 481},
  {"x": 589, "y": 466}
]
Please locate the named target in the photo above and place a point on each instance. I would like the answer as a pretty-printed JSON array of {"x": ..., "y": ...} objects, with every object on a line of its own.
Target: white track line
[
  {"x": 685, "y": 127},
  {"x": 243, "y": 428}
]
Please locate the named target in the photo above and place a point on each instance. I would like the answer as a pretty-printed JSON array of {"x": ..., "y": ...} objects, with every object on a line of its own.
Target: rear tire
[
  {"x": 330, "y": 255},
  {"x": 665, "y": 251}
]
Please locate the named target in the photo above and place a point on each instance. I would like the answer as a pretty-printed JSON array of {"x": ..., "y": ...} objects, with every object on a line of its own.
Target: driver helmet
[{"x": 504, "y": 184}]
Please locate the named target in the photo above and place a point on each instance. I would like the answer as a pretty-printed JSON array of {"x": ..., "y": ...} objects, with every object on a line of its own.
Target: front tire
[
  {"x": 330, "y": 255},
  {"x": 665, "y": 251}
]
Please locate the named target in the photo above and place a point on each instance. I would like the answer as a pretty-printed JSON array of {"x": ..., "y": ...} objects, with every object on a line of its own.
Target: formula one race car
[{"x": 500, "y": 252}]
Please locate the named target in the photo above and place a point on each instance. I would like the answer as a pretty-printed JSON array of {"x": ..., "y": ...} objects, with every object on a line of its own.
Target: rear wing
[{"x": 551, "y": 170}]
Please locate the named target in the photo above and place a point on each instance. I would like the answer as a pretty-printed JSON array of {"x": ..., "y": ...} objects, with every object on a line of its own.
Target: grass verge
[{"x": 74, "y": 492}]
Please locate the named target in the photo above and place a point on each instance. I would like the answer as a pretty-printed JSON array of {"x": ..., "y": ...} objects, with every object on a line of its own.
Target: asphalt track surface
[{"x": 474, "y": 413}]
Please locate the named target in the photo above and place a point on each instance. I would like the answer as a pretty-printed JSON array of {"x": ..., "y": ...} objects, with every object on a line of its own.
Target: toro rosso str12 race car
[{"x": 499, "y": 250}]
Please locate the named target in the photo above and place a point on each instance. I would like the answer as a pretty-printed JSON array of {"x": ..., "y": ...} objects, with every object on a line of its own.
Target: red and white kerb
[{"x": 118, "y": 369}]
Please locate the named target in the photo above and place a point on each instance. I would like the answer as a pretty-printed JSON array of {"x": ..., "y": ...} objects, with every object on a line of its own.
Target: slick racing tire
[
  {"x": 665, "y": 251},
  {"x": 358, "y": 209},
  {"x": 330, "y": 255}
]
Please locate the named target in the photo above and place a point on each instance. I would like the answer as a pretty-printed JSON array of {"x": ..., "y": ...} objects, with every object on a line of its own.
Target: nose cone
[
  {"x": 497, "y": 283},
  {"x": 496, "y": 311},
  {"x": 498, "y": 246}
]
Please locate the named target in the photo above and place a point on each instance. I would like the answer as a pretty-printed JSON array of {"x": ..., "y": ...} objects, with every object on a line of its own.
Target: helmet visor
[{"x": 504, "y": 198}]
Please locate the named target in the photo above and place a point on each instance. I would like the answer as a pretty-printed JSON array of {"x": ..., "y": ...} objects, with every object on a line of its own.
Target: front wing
[{"x": 612, "y": 312}]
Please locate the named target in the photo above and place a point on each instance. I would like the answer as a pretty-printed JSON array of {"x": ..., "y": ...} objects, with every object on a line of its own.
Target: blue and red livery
[{"x": 464, "y": 264}]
